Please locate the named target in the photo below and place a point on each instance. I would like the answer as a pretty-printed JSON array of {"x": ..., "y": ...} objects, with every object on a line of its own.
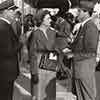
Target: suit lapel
[{"x": 79, "y": 33}]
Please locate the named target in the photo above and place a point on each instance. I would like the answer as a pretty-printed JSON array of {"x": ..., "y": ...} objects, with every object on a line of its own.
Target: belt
[{"x": 85, "y": 54}]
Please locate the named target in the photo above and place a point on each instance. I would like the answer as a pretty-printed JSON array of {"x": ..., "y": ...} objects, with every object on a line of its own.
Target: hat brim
[
  {"x": 8, "y": 4},
  {"x": 14, "y": 7},
  {"x": 86, "y": 5}
]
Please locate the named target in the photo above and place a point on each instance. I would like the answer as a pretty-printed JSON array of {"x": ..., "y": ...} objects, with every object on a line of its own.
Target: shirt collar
[{"x": 5, "y": 20}]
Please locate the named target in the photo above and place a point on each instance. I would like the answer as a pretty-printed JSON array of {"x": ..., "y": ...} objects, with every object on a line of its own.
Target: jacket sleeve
[
  {"x": 91, "y": 37},
  {"x": 33, "y": 55}
]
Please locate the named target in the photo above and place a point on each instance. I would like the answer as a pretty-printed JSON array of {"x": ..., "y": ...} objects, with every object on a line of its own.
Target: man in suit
[
  {"x": 84, "y": 49},
  {"x": 8, "y": 51}
]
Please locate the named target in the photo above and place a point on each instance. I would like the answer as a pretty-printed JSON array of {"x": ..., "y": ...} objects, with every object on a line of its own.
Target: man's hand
[{"x": 66, "y": 50}]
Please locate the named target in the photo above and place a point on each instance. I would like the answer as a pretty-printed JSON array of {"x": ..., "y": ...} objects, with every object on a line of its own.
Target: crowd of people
[{"x": 65, "y": 43}]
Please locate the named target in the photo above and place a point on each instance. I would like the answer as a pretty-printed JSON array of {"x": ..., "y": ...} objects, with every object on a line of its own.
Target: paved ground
[
  {"x": 98, "y": 85},
  {"x": 47, "y": 87}
]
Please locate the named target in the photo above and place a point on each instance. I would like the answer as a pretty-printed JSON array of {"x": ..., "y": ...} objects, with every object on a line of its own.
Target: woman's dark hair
[
  {"x": 40, "y": 16},
  {"x": 18, "y": 13},
  {"x": 68, "y": 17},
  {"x": 28, "y": 22}
]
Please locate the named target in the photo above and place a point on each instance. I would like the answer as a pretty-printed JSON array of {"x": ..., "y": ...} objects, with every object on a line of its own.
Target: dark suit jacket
[
  {"x": 8, "y": 52},
  {"x": 87, "y": 40}
]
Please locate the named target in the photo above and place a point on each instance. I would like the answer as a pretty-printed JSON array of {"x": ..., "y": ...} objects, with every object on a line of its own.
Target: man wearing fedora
[
  {"x": 8, "y": 50},
  {"x": 84, "y": 49}
]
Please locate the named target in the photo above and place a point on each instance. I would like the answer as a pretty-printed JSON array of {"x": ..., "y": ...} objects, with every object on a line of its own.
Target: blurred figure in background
[
  {"x": 25, "y": 40},
  {"x": 9, "y": 69},
  {"x": 17, "y": 24},
  {"x": 64, "y": 39},
  {"x": 28, "y": 22}
]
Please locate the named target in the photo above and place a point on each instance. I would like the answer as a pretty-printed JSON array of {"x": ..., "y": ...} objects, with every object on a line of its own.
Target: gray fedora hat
[{"x": 86, "y": 5}]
